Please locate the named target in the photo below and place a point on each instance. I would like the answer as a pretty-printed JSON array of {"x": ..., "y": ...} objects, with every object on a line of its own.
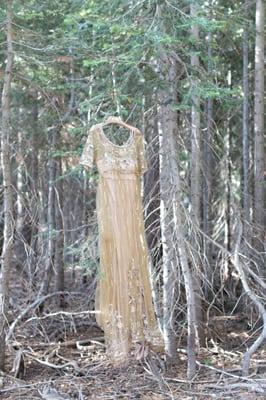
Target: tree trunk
[
  {"x": 152, "y": 207},
  {"x": 19, "y": 203},
  {"x": 195, "y": 175},
  {"x": 245, "y": 132},
  {"x": 34, "y": 183},
  {"x": 259, "y": 152},
  {"x": 59, "y": 242},
  {"x": 173, "y": 235},
  {"x": 208, "y": 181},
  {"x": 168, "y": 119},
  {"x": 7, "y": 250},
  {"x": 20, "y": 237},
  {"x": 228, "y": 185},
  {"x": 152, "y": 191},
  {"x": 49, "y": 261}
]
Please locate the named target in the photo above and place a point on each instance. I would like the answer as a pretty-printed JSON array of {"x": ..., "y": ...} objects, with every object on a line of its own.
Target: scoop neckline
[{"x": 126, "y": 144}]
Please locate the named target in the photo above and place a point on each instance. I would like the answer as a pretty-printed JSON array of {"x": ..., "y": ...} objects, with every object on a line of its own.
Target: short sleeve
[
  {"x": 87, "y": 156},
  {"x": 142, "y": 162}
]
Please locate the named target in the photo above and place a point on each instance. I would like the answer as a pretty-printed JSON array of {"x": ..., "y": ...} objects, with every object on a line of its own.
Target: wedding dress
[{"x": 123, "y": 295}]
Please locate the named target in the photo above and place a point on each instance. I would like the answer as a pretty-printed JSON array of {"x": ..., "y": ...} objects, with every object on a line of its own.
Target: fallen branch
[
  {"x": 76, "y": 343},
  {"x": 221, "y": 371},
  {"x": 252, "y": 387},
  {"x": 66, "y": 313},
  {"x": 33, "y": 305},
  {"x": 72, "y": 364}
]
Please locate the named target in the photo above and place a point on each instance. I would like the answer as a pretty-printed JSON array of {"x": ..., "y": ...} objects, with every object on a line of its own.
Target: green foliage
[{"x": 107, "y": 54}]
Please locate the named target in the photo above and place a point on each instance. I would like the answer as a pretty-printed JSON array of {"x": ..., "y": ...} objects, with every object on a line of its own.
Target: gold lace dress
[{"x": 123, "y": 295}]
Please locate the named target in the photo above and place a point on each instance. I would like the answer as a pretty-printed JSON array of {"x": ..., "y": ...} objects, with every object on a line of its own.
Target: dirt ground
[{"x": 60, "y": 355}]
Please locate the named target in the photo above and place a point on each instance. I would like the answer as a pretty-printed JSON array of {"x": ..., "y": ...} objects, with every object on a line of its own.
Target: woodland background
[{"x": 190, "y": 75}]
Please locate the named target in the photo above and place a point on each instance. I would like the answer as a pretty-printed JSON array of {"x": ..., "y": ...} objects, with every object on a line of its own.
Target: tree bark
[
  {"x": 228, "y": 199},
  {"x": 195, "y": 173},
  {"x": 19, "y": 203},
  {"x": 7, "y": 250},
  {"x": 245, "y": 132},
  {"x": 21, "y": 229},
  {"x": 34, "y": 168},
  {"x": 59, "y": 242},
  {"x": 152, "y": 207},
  {"x": 152, "y": 191},
  {"x": 173, "y": 235},
  {"x": 209, "y": 169},
  {"x": 168, "y": 128},
  {"x": 259, "y": 152},
  {"x": 49, "y": 261}
]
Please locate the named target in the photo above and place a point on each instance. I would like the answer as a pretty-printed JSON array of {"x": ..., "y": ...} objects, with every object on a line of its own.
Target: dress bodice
[{"x": 110, "y": 158}]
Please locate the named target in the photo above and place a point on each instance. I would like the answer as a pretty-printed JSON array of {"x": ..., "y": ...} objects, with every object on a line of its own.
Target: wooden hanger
[{"x": 119, "y": 121}]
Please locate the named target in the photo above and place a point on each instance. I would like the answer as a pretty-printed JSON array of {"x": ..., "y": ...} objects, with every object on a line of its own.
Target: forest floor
[{"x": 60, "y": 355}]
